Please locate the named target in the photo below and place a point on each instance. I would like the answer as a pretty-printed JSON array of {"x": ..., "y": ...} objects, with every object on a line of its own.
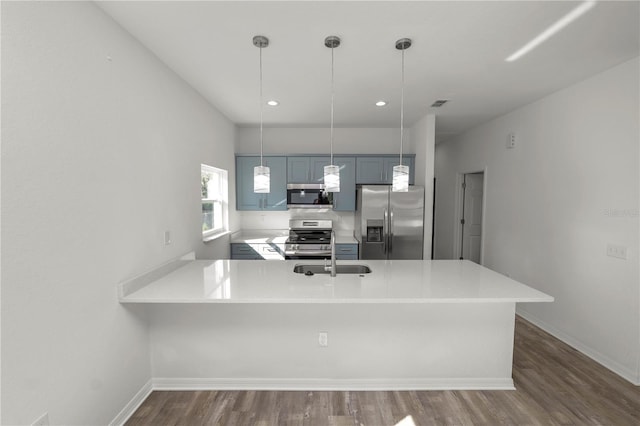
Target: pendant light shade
[
  {"x": 332, "y": 172},
  {"x": 332, "y": 178},
  {"x": 261, "y": 173},
  {"x": 400, "y": 178},
  {"x": 400, "y": 181},
  {"x": 261, "y": 179}
]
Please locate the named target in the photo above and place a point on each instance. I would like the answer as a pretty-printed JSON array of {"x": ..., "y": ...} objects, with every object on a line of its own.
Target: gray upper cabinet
[
  {"x": 378, "y": 169},
  {"x": 345, "y": 200},
  {"x": 306, "y": 169},
  {"x": 364, "y": 169},
  {"x": 246, "y": 199},
  {"x": 310, "y": 169}
]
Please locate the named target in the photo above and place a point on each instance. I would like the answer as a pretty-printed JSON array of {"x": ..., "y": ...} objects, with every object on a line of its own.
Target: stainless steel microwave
[{"x": 308, "y": 196}]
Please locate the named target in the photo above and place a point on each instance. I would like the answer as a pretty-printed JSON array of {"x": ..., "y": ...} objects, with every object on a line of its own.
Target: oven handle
[{"x": 308, "y": 253}]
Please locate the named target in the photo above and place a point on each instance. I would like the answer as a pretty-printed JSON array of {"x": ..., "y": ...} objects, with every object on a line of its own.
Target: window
[{"x": 215, "y": 202}]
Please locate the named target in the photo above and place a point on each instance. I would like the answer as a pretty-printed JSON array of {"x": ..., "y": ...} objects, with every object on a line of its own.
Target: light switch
[{"x": 619, "y": 252}]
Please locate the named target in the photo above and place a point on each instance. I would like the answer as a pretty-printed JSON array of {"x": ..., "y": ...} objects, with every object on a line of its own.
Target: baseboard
[
  {"x": 132, "y": 405},
  {"x": 331, "y": 384},
  {"x": 193, "y": 384},
  {"x": 598, "y": 357}
]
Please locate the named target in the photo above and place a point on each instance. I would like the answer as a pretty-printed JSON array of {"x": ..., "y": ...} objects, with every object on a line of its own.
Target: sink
[{"x": 340, "y": 269}]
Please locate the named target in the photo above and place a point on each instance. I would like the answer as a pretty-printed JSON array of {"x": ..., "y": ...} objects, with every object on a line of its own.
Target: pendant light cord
[
  {"x": 402, "y": 108},
  {"x": 332, "y": 98},
  {"x": 261, "y": 163}
]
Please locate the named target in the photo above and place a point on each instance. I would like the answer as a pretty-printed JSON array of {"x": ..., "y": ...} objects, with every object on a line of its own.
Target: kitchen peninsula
[{"x": 409, "y": 324}]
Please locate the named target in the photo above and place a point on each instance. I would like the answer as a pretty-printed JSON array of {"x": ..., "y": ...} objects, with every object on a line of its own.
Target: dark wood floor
[{"x": 555, "y": 385}]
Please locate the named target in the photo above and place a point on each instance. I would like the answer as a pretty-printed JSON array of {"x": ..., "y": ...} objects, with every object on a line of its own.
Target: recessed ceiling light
[
  {"x": 381, "y": 103},
  {"x": 273, "y": 103}
]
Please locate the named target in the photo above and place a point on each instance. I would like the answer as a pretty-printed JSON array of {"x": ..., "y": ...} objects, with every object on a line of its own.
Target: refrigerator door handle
[
  {"x": 385, "y": 231},
  {"x": 390, "y": 230}
]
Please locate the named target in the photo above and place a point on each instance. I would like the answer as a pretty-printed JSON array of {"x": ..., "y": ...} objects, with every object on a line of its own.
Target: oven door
[
  {"x": 308, "y": 196},
  {"x": 311, "y": 252},
  {"x": 298, "y": 256}
]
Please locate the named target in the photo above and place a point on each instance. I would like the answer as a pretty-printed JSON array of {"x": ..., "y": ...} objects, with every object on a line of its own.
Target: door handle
[
  {"x": 385, "y": 230},
  {"x": 391, "y": 231}
]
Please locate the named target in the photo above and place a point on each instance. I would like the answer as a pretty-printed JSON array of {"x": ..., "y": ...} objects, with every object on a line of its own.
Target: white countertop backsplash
[
  {"x": 343, "y": 222},
  {"x": 279, "y": 236}
]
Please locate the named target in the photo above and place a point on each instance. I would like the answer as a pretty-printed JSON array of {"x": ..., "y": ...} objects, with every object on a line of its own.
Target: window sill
[{"x": 211, "y": 237}]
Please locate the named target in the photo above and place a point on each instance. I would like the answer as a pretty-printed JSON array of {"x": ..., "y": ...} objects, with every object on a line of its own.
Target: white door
[{"x": 472, "y": 216}]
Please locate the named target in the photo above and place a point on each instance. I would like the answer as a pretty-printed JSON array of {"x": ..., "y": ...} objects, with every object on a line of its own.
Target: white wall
[
  {"x": 303, "y": 140},
  {"x": 101, "y": 151},
  {"x": 423, "y": 135},
  {"x": 260, "y": 346},
  {"x": 554, "y": 202}
]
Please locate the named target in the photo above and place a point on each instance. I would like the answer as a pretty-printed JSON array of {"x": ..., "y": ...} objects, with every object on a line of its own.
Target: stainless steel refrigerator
[{"x": 390, "y": 225}]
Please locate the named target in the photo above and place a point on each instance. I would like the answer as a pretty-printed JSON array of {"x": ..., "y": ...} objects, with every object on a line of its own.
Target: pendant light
[
  {"x": 401, "y": 172},
  {"x": 261, "y": 173},
  {"x": 332, "y": 172}
]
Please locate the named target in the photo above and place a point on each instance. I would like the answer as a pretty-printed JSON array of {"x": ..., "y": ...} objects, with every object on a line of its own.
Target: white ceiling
[{"x": 458, "y": 53}]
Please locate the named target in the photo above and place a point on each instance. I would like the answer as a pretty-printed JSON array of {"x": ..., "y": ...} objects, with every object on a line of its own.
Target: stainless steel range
[{"x": 308, "y": 239}]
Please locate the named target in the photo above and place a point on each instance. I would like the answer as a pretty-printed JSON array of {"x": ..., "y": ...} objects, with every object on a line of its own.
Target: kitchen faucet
[{"x": 333, "y": 267}]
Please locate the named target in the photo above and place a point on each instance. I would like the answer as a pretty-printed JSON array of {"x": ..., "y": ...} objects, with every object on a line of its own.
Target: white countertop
[
  {"x": 279, "y": 236},
  {"x": 391, "y": 281}
]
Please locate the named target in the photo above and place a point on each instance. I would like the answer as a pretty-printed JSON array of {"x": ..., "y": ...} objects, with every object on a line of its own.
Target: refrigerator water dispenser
[{"x": 374, "y": 231}]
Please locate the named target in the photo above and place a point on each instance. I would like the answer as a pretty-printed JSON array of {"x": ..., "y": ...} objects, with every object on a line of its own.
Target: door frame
[{"x": 459, "y": 202}]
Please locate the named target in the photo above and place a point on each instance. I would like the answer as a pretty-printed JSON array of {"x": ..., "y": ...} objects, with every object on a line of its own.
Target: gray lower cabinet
[
  {"x": 376, "y": 169},
  {"x": 276, "y": 251},
  {"x": 347, "y": 251},
  {"x": 246, "y": 199},
  {"x": 257, "y": 251}
]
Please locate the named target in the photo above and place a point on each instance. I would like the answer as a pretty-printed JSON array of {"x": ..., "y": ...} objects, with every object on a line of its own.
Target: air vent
[{"x": 439, "y": 103}]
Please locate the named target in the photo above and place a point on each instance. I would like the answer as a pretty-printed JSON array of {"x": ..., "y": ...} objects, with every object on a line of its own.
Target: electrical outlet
[
  {"x": 619, "y": 252},
  {"x": 167, "y": 238},
  {"x": 323, "y": 339},
  {"x": 43, "y": 420}
]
